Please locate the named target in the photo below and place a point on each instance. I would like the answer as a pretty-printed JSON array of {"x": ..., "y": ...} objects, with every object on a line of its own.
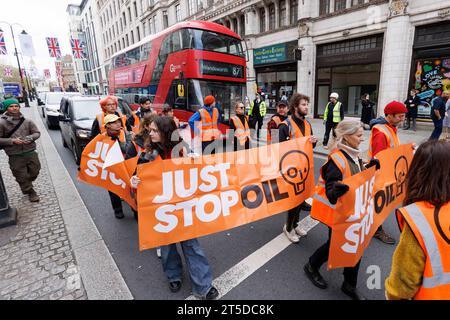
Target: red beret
[
  {"x": 395, "y": 107},
  {"x": 209, "y": 100}
]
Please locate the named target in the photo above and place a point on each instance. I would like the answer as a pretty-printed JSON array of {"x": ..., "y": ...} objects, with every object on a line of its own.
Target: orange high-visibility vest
[
  {"x": 209, "y": 127},
  {"x": 122, "y": 136},
  {"x": 277, "y": 121},
  {"x": 391, "y": 137},
  {"x": 139, "y": 150},
  {"x": 294, "y": 130},
  {"x": 434, "y": 238},
  {"x": 242, "y": 132},
  {"x": 322, "y": 210},
  {"x": 101, "y": 121},
  {"x": 137, "y": 122}
]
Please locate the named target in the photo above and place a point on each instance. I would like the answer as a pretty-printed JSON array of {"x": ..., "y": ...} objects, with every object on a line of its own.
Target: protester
[
  {"x": 334, "y": 113},
  {"x": 382, "y": 137},
  {"x": 114, "y": 129},
  {"x": 257, "y": 112},
  {"x": 239, "y": 128},
  {"x": 109, "y": 105},
  {"x": 168, "y": 112},
  {"x": 276, "y": 120},
  {"x": 137, "y": 146},
  {"x": 446, "y": 123},
  {"x": 412, "y": 104},
  {"x": 205, "y": 123},
  {"x": 343, "y": 161},
  {"x": 134, "y": 120},
  {"x": 296, "y": 126},
  {"x": 421, "y": 262},
  {"x": 161, "y": 147},
  {"x": 17, "y": 138},
  {"x": 438, "y": 114},
  {"x": 367, "y": 112}
]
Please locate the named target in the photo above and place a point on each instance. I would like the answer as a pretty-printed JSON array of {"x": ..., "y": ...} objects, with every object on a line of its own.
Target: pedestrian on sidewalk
[
  {"x": 382, "y": 137},
  {"x": 421, "y": 262},
  {"x": 239, "y": 128},
  {"x": 446, "y": 123},
  {"x": 258, "y": 110},
  {"x": 115, "y": 130},
  {"x": 334, "y": 113},
  {"x": 205, "y": 124},
  {"x": 367, "y": 112},
  {"x": 412, "y": 104},
  {"x": 17, "y": 138},
  {"x": 109, "y": 105},
  {"x": 296, "y": 126},
  {"x": 343, "y": 161},
  {"x": 275, "y": 121},
  {"x": 438, "y": 114},
  {"x": 133, "y": 121},
  {"x": 161, "y": 147}
]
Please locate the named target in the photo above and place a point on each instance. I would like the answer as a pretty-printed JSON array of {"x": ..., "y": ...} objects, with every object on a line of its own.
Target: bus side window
[{"x": 176, "y": 41}]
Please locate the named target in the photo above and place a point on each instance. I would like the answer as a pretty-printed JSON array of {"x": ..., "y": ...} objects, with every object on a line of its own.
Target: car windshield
[
  {"x": 54, "y": 98},
  {"x": 86, "y": 110}
]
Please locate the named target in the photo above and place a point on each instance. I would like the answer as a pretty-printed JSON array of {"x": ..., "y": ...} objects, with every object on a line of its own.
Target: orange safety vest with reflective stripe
[
  {"x": 242, "y": 132},
  {"x": 322, "y": 210},
  {"x": 431, "y": 229},
  {"x": 137, "y": 122},
  {"x": 391, "y": 137},
  {"x": 122, "y": 136},
  {"x": 294, "y": 130},
  {"x": 101, "y": 121},
  {"x": 209, "y": 127},
  {"x": 277, "y": 121}
]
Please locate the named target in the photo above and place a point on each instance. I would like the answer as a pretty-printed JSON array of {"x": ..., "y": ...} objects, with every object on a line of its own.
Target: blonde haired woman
[{"x": 343, "y": 161}]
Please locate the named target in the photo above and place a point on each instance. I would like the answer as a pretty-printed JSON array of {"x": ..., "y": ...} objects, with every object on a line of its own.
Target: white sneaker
[
  {"x": 292, "y": 236},
  {"x": 300, "y": 232},
  {"x": 158, "y": 253}
]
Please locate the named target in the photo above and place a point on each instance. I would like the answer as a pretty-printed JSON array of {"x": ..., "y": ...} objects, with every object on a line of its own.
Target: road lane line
[{"x": 249, "y": 265}]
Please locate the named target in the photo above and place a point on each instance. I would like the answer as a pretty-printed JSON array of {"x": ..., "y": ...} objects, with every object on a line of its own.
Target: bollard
[{"x": 8, "y": 215}]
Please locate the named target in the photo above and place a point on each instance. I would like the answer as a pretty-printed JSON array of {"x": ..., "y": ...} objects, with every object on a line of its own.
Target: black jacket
[{"x": 412, "y": 104}]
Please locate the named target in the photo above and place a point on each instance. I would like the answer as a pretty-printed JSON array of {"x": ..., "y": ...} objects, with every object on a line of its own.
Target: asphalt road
[{"x": 281, "y": 277}]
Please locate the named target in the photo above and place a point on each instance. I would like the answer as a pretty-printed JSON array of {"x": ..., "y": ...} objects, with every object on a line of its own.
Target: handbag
[{"x": 9, "y": 134}]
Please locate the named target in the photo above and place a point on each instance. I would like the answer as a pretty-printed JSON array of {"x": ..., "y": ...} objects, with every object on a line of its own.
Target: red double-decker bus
[{"x": 180, "y": 66}]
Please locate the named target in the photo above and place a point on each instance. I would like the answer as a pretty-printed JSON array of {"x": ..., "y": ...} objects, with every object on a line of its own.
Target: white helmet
[{"x": 334, "y": 95}]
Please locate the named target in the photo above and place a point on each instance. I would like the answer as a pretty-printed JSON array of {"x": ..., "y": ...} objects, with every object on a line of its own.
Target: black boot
[
  {"x": 315, "y": 277},
  {"x": 352, "y": 292},
  {"x": 119, "y": 214}
]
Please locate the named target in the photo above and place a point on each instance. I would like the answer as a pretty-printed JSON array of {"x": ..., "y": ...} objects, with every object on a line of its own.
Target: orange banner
[
  {"x": 373, "y": 195},
  {"x": 181, "y": 199},
  {"x": 115, "y": 178}
]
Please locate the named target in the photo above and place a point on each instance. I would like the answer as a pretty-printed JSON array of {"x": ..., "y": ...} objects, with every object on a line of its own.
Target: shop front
[
  {"x": 276, "y": 71},
  {"x": 352, "y": 69},
  {"x": 430, "y": 71}
]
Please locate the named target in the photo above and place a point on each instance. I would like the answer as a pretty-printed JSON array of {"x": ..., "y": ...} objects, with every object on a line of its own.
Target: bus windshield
[
  {"x": 226, "y": 94},
  {"x": 212, "y": 41}
]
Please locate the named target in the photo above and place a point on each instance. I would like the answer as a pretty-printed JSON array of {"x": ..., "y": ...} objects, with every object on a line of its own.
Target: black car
[{"x": 75, "y": 120}]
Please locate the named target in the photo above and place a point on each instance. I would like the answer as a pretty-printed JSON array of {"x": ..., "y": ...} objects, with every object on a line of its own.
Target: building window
[
  {"x": 282, "y": 13},
  {"x": 150, "y": 25},
  {"x": 165, "y": 20},
  {"x": 154, "y": 24},
  {"x": 191, "y": 7},
  {"x": 272, "y": 17},
  {"x": 242, "y": 22},
  {"x": 138, "y": 33},
  {"x": 132, "y": 37},
  {"x": 340, "y": 5},
  {"x": 357, "y": 2},
  {"x": 118, "y": 42},
  {"x": 124, "y": 19},
  {"x": 129, "y": 14},
  {"x": 135, "y": 9},
  {"x": 324, "y": 7},
  {"x": 294, "y": 11},
  {"x": 128, "y": 40},
  {"x": 178, "y": 13},
  {"x": 262, "y": 21}
]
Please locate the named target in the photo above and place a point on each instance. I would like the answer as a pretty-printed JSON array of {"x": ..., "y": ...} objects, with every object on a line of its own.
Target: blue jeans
[
  {"x": 197, "y": 264},
  {"x": 437, "y": 129}
]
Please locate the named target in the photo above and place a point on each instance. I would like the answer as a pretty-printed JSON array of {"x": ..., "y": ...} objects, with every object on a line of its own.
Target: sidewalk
[{"x": 55, "y": 251}]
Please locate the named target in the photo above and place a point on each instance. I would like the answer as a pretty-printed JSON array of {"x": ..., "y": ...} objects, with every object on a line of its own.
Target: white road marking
[{"x": 245, "y": 268}]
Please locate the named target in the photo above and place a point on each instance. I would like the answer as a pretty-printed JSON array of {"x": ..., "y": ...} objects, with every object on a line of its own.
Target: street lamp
[{"x": 25, "y": 95}]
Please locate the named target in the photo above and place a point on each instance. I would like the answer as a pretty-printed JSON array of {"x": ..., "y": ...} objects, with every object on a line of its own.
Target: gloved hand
[
  {"x": 374, "y": 162},
  {"x": 340, "y": 189}
]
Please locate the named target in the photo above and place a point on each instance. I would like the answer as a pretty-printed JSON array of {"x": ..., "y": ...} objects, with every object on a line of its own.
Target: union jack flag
[
  {"x": 77, "y": 49},
  {"x": 53, "y": 48},
  {"x": 2, "y": 44},
  {"x": 8, "y": 72},
  {"x": 47, "y": 74}
]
